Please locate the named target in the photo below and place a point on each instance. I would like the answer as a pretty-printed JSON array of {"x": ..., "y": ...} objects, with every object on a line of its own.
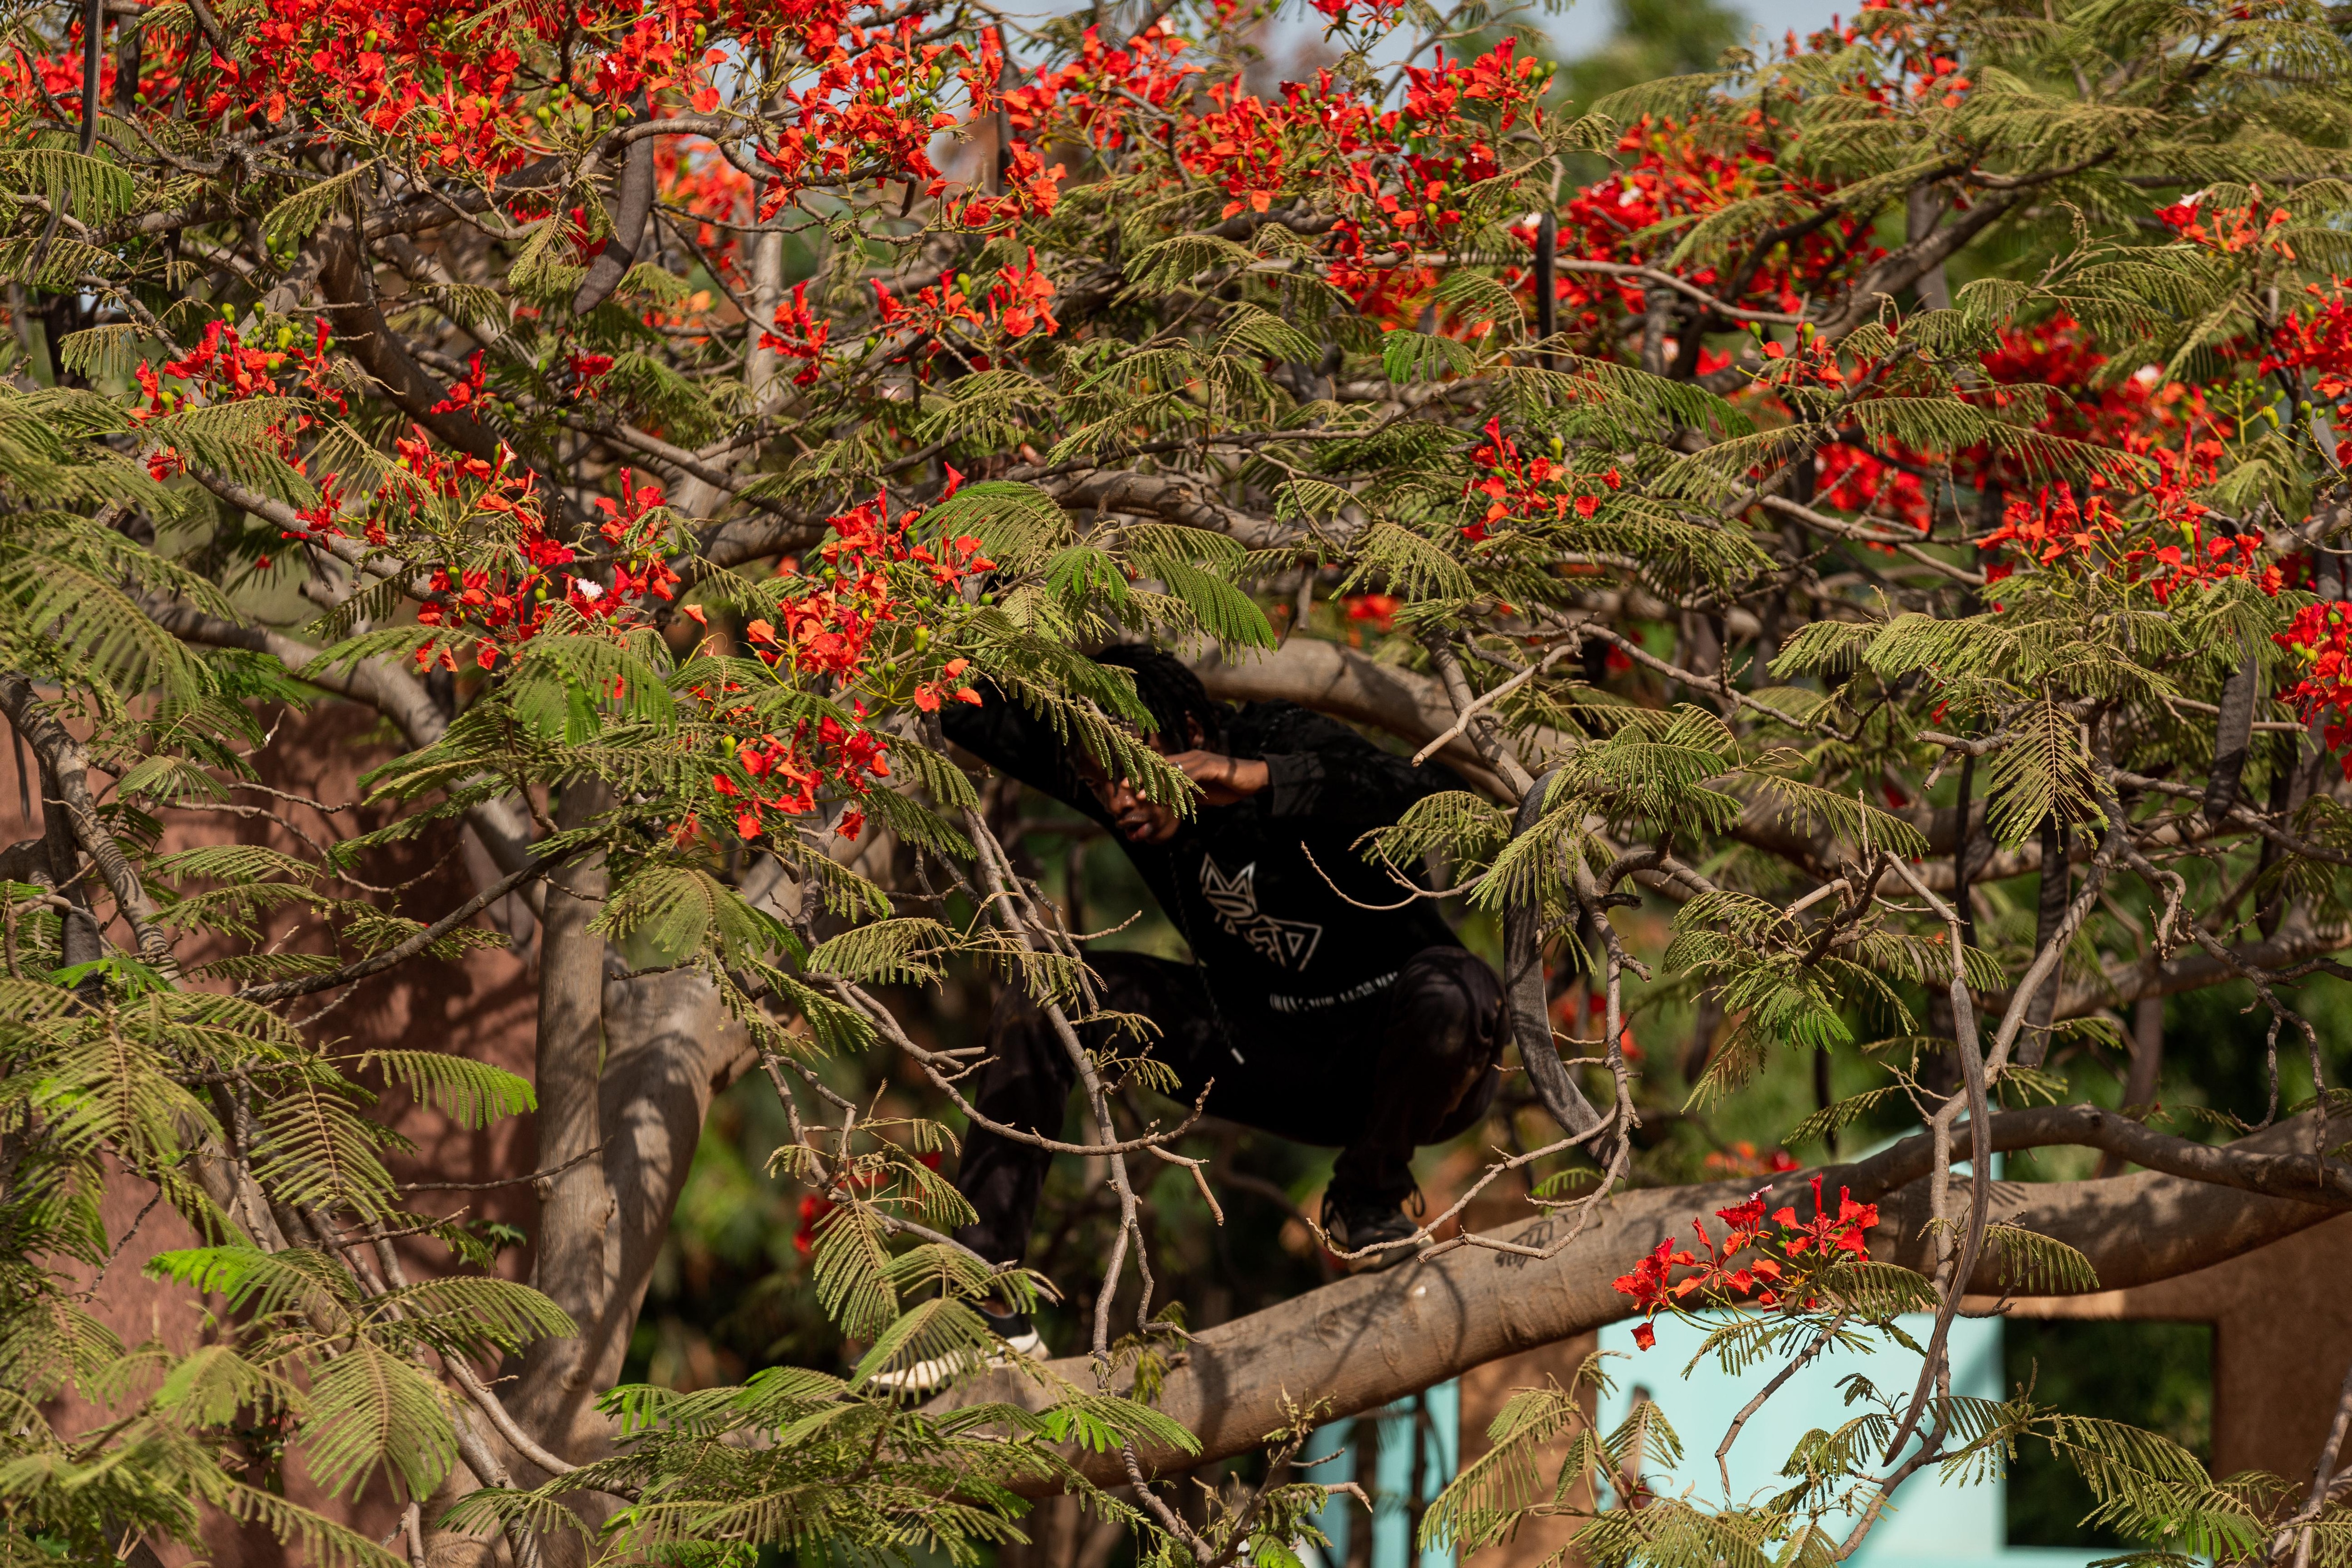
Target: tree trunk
[
  {"x": 2147, "y": 1070},
  {"x": 577, "y": 1263},
  {"x": 627, "y": 1066},
  {"x": 2050, "y": 913}
]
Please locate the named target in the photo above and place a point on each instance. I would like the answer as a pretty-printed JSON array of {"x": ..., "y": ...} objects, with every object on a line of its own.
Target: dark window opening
[{"x": 2158, "y": 1376}]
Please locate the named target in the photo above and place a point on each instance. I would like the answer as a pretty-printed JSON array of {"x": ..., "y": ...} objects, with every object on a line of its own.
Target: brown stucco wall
[
  {"x": 484, "y": 1007},
  {"x": 2281, "y": 1319}
]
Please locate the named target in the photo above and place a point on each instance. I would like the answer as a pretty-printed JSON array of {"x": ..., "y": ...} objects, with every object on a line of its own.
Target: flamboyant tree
[{"x": 1875, "y": 508}]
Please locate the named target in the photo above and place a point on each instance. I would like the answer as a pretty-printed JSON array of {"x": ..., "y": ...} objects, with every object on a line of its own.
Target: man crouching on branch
[{"x": 1322, "y": 1005}]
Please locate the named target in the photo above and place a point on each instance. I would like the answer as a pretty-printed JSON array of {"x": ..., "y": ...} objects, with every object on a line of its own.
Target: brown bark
[
  {"x": 577, "y": 1265},
  {"x": 2050, "y": 913},
  {"x": 632, "y": 203},
  {"x": 1347, "y": 685},
  {"x": 627, "y": 1065},
  {"x": 66, "y": 800},
  {"x": 1364, "y": 1342},
  {"x": 2146, "y": 1069},
  {"x": 2278, "y": 1162},
  {"x": 361, "y": 332},
  {"x": 669, "y": 1043},
  {"x": 1172, "y": 498},
  {"x": 377, "y": 682}
]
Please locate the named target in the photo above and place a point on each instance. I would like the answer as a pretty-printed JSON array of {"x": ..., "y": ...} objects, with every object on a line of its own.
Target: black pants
[{"x": 1411, "y": 1065}]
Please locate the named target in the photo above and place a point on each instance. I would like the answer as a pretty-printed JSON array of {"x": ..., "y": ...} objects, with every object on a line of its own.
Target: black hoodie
[{"x": 1240, "y": 881}]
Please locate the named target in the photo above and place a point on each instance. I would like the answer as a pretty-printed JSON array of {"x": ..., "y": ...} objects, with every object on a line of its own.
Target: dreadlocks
[{"x": 1172, "y": 694}]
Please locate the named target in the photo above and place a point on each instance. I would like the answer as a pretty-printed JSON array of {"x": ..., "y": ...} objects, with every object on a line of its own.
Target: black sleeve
[
  {"x": 1019, "y": 745},
  {"x": 1317, "y": 767}
]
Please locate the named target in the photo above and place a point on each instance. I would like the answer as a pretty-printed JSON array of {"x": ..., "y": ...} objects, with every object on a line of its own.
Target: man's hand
[{"x": 1222, "y": 779}]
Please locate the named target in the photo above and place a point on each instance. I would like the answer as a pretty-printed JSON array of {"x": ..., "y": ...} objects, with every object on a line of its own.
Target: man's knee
[
  {"x": 1448, "y": 999},
  {"x": 1448, "y": 1022}
]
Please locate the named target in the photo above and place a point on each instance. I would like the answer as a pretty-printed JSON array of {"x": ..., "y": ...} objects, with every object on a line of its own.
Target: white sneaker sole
[{"x": 925, "y": 1377}]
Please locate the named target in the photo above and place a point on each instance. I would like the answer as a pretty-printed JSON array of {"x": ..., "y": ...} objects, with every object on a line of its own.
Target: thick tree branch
[
  {"x": 2295, "y": 946},
  {"x": 2267, "y": 1163},
  {"x": 1901, "y": 267},
  {"x": 1172, "y": 498},
  {"x": 381, "y": 685},
  {"x": 1347, "y": 685},
  {"x": 349, "y": 551},
  {"x": 1363, "y": 1343},
  {"x": 392, "y": 691},
  {"x": 361, "y": 332}
]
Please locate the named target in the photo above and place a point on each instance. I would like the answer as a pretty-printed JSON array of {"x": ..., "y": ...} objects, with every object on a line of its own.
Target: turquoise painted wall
[
  {"x": 1933, "y": 1525},
  {"x": 1434, "y": 1420}
]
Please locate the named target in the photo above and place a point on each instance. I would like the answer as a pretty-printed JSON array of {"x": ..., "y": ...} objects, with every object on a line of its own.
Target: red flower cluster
[
  {"x": 495, "y": 609},
  {"x": 224, "y": 370},
  {"x": 1788, "y": 1259},
  {"x": 1090, "y": 99},
  {"x": 832, "y": 614},
  {"x": 2051, "y": 373},
  {"x": 2046, "y": 528},
  {"x": 1518, "y": 487},
  {"x": 870, "y": 569},
  {"x": 1020, "y": 299},
  {"x": 802, "y": 335},
  {"x": 418, "y": 71},
  {"x": 1849, "y": 479},
  {"x": 1812, "y": 362},
  {"x": 2320, "y": 345},
  {"x": 2052, "y": 528},
  {"x": 2321, "y": 637},
  {"x": 1821, "y": 1235},
  {"x": 1393, "y": 173},
  {"x": 783, "y": 775},
  {"x": 28, "y": 83},
  {"x": 2228, "y": 229},
  {"x": 465, "y": 397},
  {"x": 1674, "y": 180},
  {"x": 633, "y": 534},
  {"x": 2198, "y": 557},
  {"x": 1239, "y": 144},
  {"x": 874, "y": 110}
]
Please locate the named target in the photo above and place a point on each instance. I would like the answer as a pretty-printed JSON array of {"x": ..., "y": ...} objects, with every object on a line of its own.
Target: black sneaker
[{"x": 1354, "y": 1223}]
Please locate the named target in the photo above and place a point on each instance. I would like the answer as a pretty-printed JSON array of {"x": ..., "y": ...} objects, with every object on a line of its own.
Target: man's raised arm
[
  {"x": 1325, "y": 771},
  {"x": 1016, "y": 743}
]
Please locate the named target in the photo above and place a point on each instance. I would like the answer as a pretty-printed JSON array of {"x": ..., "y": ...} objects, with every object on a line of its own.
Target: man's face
[{"x": 1138, "y": 820}]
